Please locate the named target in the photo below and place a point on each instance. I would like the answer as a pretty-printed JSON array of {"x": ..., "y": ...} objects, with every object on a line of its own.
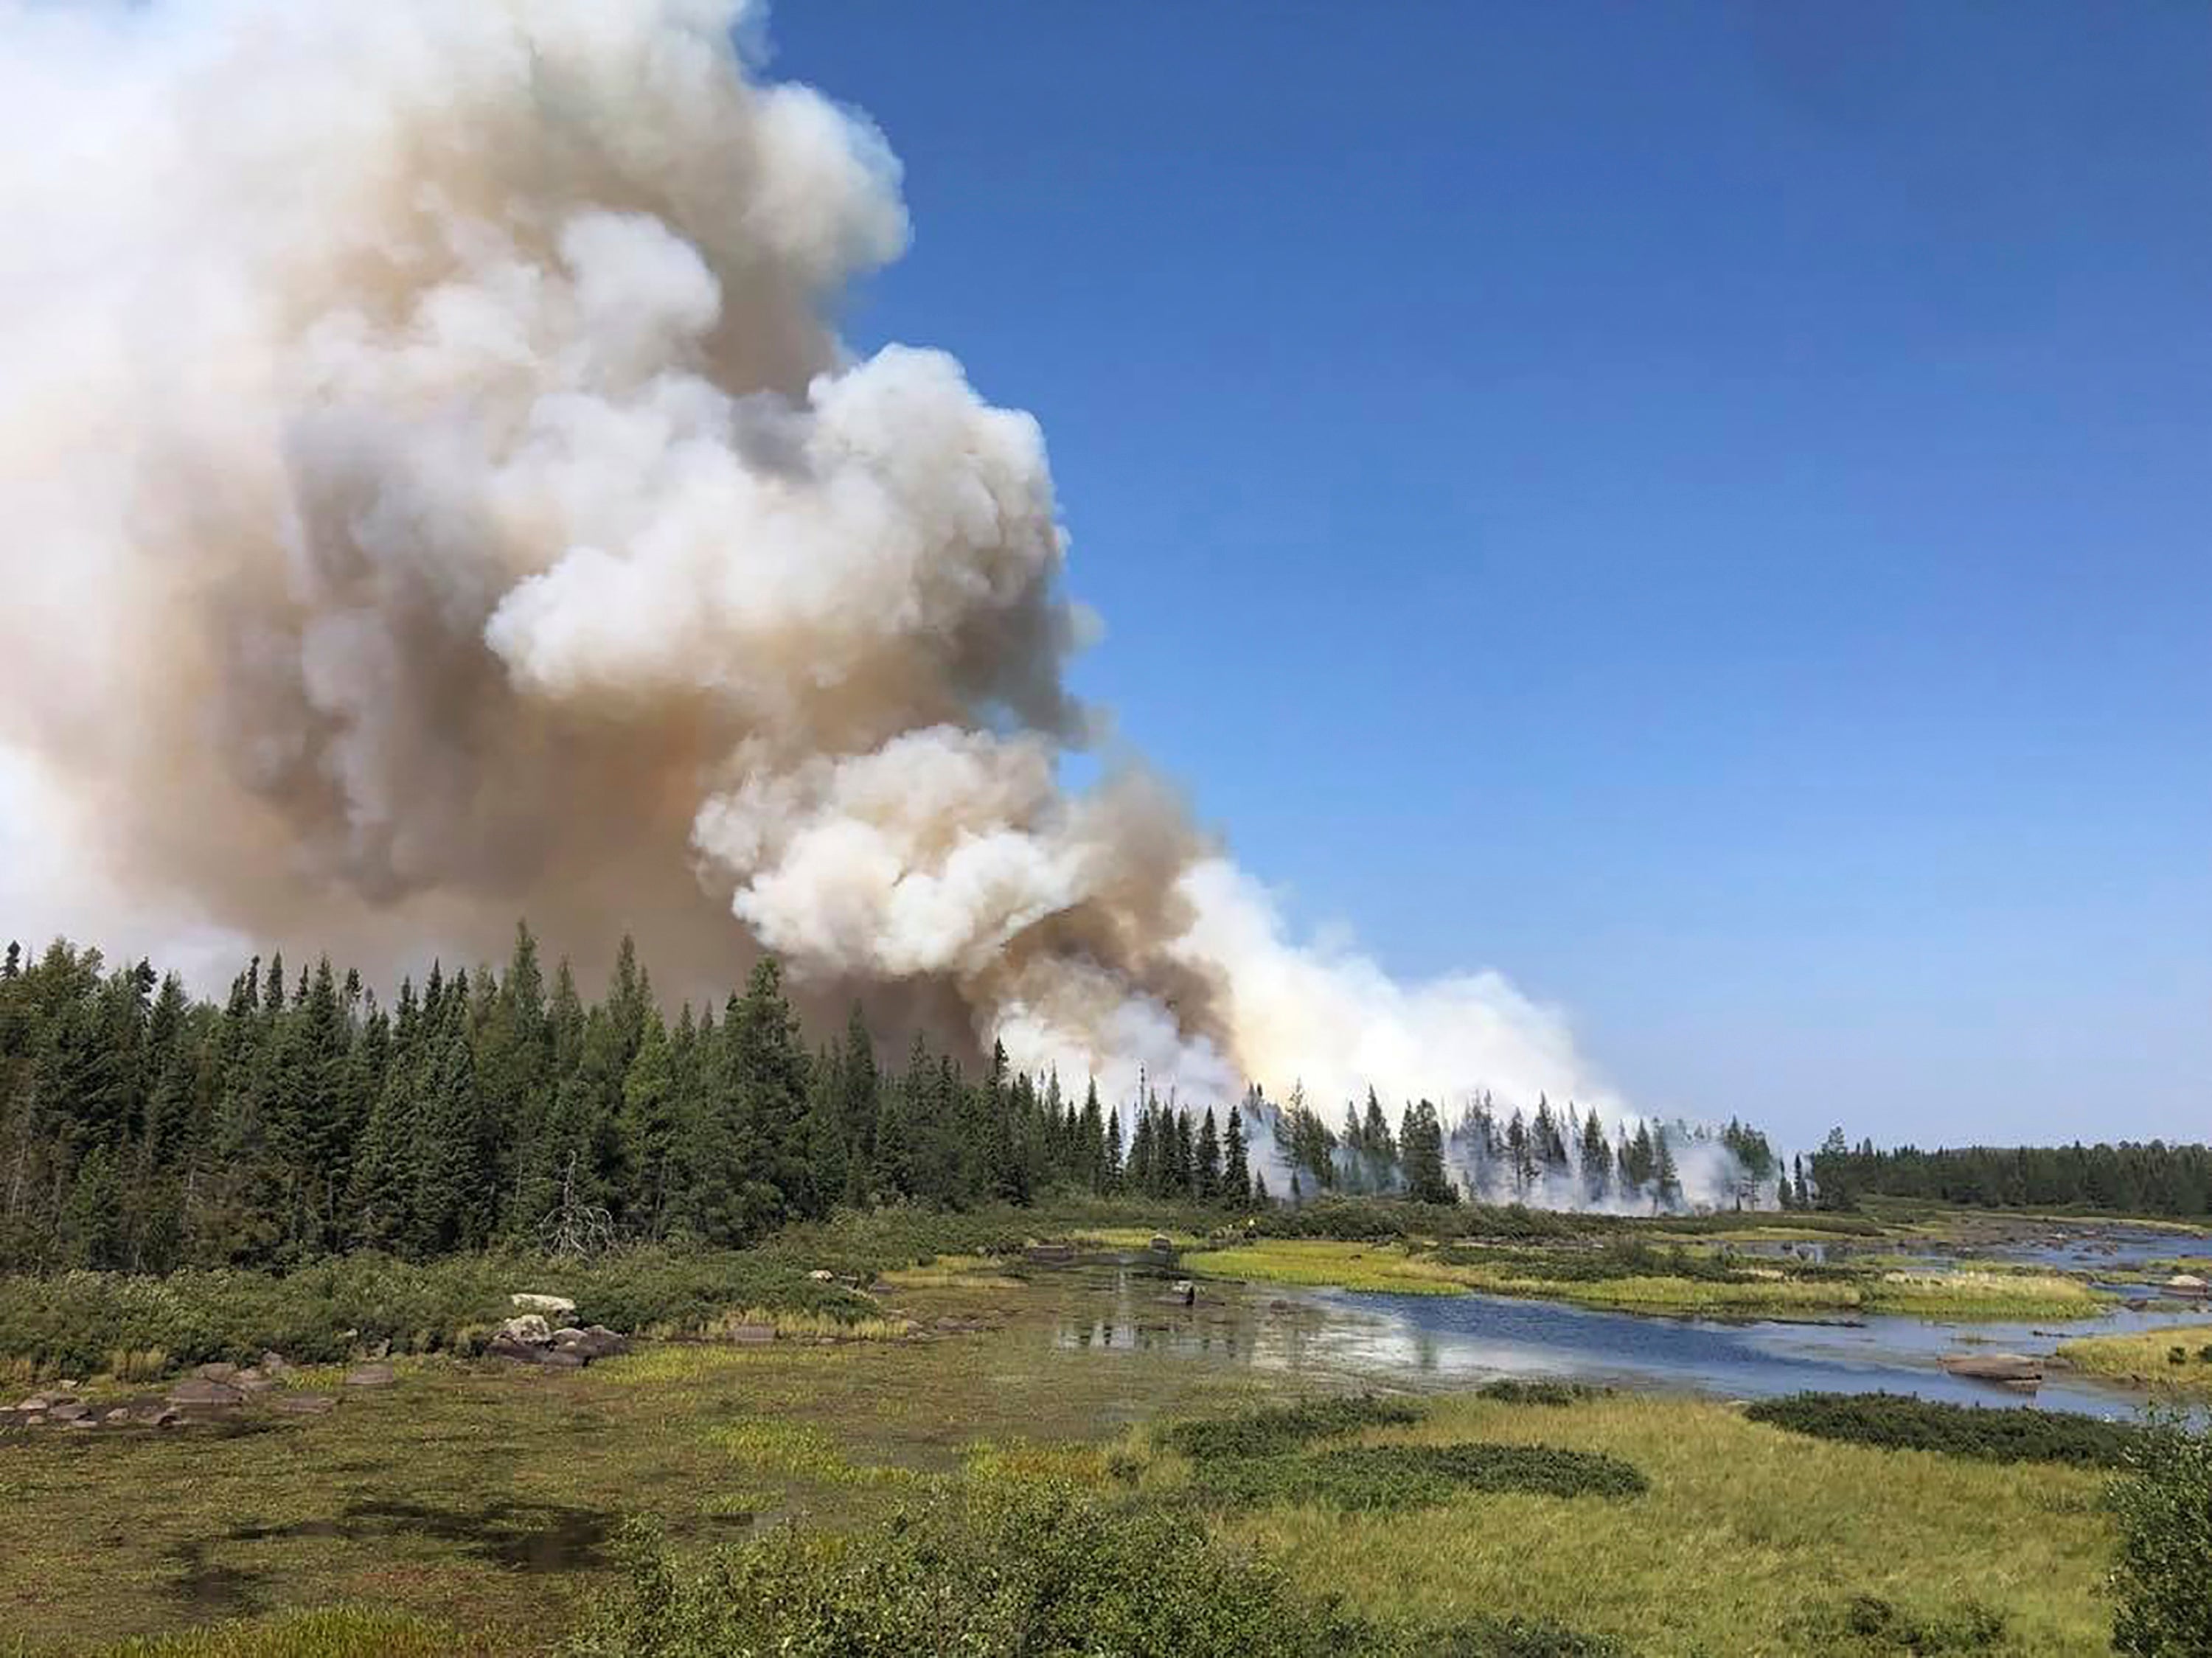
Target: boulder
[
  {"x": 252, "y": 1382},
  {"x": 68, "y": 1410},
  {"x": 527, "y": 1301},
  {"x": 370, "y": 1375},
  {"x": 1162, "y": 1244},
  {"x": 216, "y": 1372},
  {"x": 275, "y": 1363},
  {"x": 306, "y": 1404},
  {"x": 206, "y": 1394},
  {"x": 822, "y": 1275},
  {"x": 2188, "y": 1282},
  {"x": 36, "y": 1403},
  {"x": 530, "y": 1327},
  {"x": 1994, "y": 1367},
  {"x": 562, "y": 1359},
  {"x": 515, "y": 1352},
  {"x": 603, "y": 1343}
]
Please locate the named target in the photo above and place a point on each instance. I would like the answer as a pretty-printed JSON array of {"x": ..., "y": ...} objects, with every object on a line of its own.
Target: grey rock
[
  {"x": 564, "y": 1358},
  {"x": 67, "y": 1410},
  {"x": 515, "y": 1352},
  {"x": 275, "y": 1363},
  {"x": 530, "y": 1327},
  {"x": 216, "y": 1372},
  {"x": 370, "y": 1375},
  {"x": 1994, "y": 1367},
  {"x": 206, "y": 1394}
]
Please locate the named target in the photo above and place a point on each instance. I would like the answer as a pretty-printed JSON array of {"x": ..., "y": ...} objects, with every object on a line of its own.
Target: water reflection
[{"x": 1463, "y": 1341}]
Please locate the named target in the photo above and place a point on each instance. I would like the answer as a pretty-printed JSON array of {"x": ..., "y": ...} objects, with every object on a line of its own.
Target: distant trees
[{"x": 2129, "y": 1178}]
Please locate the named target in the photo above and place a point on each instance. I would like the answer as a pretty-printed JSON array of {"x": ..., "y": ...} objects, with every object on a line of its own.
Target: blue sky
[{"x": 1702, "y": 507}]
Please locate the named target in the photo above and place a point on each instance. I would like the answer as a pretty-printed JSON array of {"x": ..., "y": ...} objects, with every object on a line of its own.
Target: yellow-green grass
[
  {"x": 1319, "y": 1263},
  {"x": 953, "y": 1271},
  {"x": 1743, "y": 1526},
  {"x": 2145, "y": 1357},
  {"x": 448, "y": 1496},
  {"x": 1134, "y": 1237},
  {"x": 1768, "y": 1292},
  {"x": 326, "y": 1632}
]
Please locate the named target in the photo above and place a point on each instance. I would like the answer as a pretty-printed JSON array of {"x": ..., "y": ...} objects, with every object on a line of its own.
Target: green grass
[
  {"x": 1634, "y": 1278},
  {"x": 1373, "y": 1478},
  {"x": 1276, "y": 1430},
  {"x": 1990, "y": 1433},
  {"x": 2146, "y": 1358},
  {"x": 326, "y": 1632}
]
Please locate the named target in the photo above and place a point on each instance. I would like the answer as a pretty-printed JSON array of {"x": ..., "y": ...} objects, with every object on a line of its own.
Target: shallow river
[{"x": 1464, "y": 1341}]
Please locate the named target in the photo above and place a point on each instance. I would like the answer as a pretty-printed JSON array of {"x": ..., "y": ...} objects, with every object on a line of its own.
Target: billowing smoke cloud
[{"x": 435, "y": 491}]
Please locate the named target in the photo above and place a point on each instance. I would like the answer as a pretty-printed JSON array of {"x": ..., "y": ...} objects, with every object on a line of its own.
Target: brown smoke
[{"x": 434, "y": 495}]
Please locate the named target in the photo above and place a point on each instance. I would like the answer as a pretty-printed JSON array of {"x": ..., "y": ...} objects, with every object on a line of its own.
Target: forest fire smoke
[{"x": 436, "y": 492}]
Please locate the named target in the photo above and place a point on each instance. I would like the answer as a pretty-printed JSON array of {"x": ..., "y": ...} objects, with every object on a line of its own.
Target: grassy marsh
[{"x": 2148, "y": 1358}]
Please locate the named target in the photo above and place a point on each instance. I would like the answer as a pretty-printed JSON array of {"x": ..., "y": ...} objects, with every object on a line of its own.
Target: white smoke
[{"x": 434, "y": 492}]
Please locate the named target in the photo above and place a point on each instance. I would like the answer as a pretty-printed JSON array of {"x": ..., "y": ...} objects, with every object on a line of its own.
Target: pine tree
[
  {"x": 648, "y": 1126},
  {"x": 1237, "y": 1177},
  {"x": 1667, "y": 1183},
  {"x": 1206, "y": 1172},
  {"x": 1597, "y": 1159}
]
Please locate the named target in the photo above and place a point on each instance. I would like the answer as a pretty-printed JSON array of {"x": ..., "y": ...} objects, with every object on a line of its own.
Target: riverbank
[{"x": 490, "y": 1500}]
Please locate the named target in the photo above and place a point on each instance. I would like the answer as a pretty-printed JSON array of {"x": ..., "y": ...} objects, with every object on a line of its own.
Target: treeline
[
  {"x": 143, "y": 1129},
  {"x": 2134, "y": 1178}
]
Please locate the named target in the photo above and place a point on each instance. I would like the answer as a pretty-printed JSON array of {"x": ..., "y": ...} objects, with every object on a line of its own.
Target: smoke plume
[{"x": 435, "y": 492}]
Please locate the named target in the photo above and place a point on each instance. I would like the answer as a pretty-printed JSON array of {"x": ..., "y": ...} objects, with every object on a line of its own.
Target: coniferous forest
[{"x": 143, "y": 1129}]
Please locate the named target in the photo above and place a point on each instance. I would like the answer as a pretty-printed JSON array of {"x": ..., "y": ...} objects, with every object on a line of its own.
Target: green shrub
[
  {"x": 1990, "y": 1433},
  {"x": 1508, "y": 1390},
  {"x": 1866, "y": 1626},
  {"x": 1028, "y": 1569},
  {"x": 2163, "y": 1581},
  {"x": 1275, "y": 1430},
  {"x": 1018, "y": 1571},
  {"x": 1383, "y": 1477}
]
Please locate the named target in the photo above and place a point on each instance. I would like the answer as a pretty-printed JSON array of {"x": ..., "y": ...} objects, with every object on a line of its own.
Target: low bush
[
  {"x": 2163, "y": 1580},
  {"x": 1274, "y": 1431},
  {"x": 1384, "y": 1477},
  {"x": 1022, "y": 1570},
  {"x": 1866, "y": 1626},
  {"x": 1989, "y": 1434},
  {"x": 1510, "y": 1390}
]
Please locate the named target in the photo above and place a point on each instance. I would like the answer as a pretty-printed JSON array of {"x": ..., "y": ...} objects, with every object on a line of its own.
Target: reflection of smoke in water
[{"x": 428, "y": 418}]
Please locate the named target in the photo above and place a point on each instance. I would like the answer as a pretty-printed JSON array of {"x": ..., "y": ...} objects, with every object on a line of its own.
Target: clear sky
[{"x": 1702, "y": 507}]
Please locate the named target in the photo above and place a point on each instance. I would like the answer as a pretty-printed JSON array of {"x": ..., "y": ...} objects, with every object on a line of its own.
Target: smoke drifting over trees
[{"x": 436, "y": 492}]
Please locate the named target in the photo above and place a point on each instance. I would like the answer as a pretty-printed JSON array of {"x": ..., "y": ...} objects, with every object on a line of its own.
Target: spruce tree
[{"x": 1236, "y": 1176}]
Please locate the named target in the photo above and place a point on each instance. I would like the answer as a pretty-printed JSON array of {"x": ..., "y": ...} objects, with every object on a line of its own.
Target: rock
[
  {"x": 118, "y": 1417},
  {"x": 606, "y": 1343},
  {"x": 69, "y": 1410},
  {"x": 753, "y": 1335},
  {"x": 377, "y": 1350},
  {"x": 275, "y": 1363},
  {"x": 1162, "y": 1244},
  {"x": 216, "y": 1372},
  {"x": 563, "y": 1359},
  {"x": 514, "y": 1352},
  {"x": 2187, "y": 1283},
  {"x": 168, "y": 1417},
  {"x": 822, "y": 1275},
  {"x": 36, "y": 1403},
  {"x": 559, "y": 1306},
  {"x": 84, "y": 1422},
  {"x": 307, "y": 1404},
  {"x": 252, "y": 1382},
  {"x": 206, "y": 1394},
  {"x": 1994, "y": 1367},
  {"x": 530, "y": 1328},
  {"x": 370, "y": 1375}
]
